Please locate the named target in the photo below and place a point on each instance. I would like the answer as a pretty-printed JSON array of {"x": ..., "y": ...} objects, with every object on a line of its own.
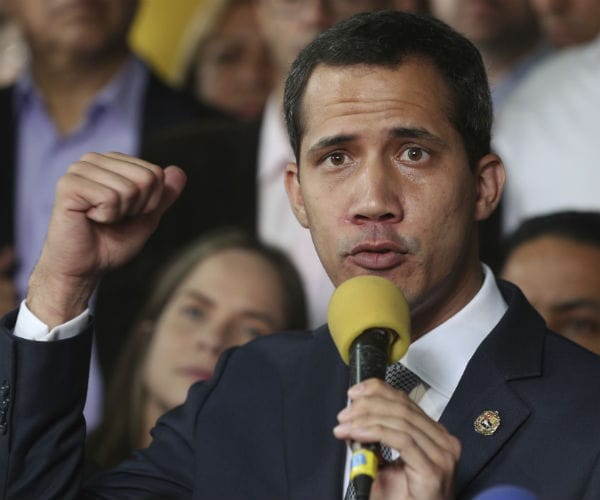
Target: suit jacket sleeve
[
  {"x": 42, "y": 393},
  {"x": 185, "y": 462},
  {"x": 43, "y": 387}
]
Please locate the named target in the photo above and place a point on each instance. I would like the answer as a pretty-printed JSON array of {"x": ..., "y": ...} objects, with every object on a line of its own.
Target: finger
[
  {"x": 378, "y": 398},
  {"x": 174, "y": 183},
  {"x": 129, "y": 192},
  {"x": 419, "y": 451},
  {"x": 393, "y": 410},
  {"x": 148, "y": 178},
  {"x": 97, "y": 201}
]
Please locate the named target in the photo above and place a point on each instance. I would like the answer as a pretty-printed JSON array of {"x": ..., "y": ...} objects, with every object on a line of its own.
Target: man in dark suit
[{"x": 393, "y": 170}]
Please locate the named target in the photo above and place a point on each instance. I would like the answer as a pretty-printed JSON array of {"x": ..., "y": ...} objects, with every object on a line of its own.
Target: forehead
[
  {"x": 235, "y": 271},
  {"x": 347, "y": 99},
  {"x": 553, "y": 265}
]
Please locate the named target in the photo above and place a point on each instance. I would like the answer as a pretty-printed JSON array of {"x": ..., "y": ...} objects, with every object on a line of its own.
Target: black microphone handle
[{"x": 369, "y": 355}]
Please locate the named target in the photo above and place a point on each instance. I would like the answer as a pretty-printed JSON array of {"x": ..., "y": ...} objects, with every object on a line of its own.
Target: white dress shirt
[{"x": 277, "y": 224}]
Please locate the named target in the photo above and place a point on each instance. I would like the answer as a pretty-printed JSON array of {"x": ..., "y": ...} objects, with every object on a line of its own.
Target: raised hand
[{"x": 106, "y": 207}]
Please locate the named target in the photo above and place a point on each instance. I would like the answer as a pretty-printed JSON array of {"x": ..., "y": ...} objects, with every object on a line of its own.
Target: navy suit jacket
[{"x": 262, "y": 427}]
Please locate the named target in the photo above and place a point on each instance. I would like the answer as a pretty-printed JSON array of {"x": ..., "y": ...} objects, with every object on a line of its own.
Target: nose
[
  {"x": 211, "y": 340},
  {"x": 376, "y": 196},
  {"x": 251, "y": 73}
]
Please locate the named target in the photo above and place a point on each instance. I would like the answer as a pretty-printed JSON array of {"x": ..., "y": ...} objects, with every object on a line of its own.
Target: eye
[
  {"x": 414, "y": 154},
  {"x": 248, "y": 330},
  {"x": 192, "y": 312},
  {"x": 336, "y": 159},
  {"x": 579, "y": 326},
  {"x": 228, "y": 55}
]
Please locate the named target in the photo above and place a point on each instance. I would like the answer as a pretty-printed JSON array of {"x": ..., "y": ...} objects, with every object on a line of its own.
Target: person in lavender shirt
[{"x": 82, "y": 90}]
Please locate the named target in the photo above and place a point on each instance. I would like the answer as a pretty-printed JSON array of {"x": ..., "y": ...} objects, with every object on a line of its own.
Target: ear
[
  {"x": 292, "y": 186},
  {"x": 490, "y": 184}
]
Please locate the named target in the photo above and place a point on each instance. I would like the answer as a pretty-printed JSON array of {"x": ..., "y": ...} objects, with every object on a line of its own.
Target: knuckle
[
  {"x": 76, "y": 167},
  {"x": 148, "y": 179},
  {"x": 403, "y": 440},
  {"x": 111, "y": 199},
  {"x": 130, "y": 192},
  {"x": 63, "y": 184},
  {"x": 156, "y": 171},
  {"x": 89, "y": 157}
]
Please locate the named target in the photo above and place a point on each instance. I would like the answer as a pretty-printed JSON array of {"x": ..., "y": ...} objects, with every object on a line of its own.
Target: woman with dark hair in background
[{"x": 223, "y": 290}]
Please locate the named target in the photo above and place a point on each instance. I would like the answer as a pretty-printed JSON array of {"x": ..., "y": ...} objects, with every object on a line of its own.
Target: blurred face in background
[
  {"x": 84, "y": 28},
  {"x": 228, "y": 299},
  {"x": 290, "y": 25},
  {"x": 489, "y": 24},
  {"x": 569, "y": 22},
  {"x": 410, "y": 5},
  {"x": 233, "y": 69},
  {"x": 561, "y": 278}
]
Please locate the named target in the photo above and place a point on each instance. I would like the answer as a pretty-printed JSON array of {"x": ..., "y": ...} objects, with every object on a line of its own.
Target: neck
[
  {"x": 453, "y": 295},
  {"x": 69, "y": 86}
]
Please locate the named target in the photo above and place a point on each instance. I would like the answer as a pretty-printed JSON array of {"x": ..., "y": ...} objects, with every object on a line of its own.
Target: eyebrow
[
  {"x": 577, "y": 304},
  {"x": 248, "y": 313},
  {"x": 327, "y": 142},
  {"x": 417, "y": 133},
  {"x": 397, "y": 132}
]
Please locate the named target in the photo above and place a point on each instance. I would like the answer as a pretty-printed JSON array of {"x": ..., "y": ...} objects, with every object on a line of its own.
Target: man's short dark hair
[
  {"x": 578, "y": 226},
  {"x": 387, "y": 38}
]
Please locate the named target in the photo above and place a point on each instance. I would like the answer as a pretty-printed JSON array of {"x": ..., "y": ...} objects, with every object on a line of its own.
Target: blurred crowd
[{"x": 200, "y": 84}]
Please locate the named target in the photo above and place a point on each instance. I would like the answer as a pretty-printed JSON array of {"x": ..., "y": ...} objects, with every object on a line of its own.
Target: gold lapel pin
[{"x": 487, "y": 423}]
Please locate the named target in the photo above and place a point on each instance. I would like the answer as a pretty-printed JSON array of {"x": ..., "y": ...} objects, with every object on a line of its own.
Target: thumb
[{"x": 174, "y": 182}]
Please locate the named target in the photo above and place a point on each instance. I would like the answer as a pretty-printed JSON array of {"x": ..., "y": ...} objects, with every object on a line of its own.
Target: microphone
[
  {"x": 369, "y": 321},
  {"x": 506, "y": 492}
]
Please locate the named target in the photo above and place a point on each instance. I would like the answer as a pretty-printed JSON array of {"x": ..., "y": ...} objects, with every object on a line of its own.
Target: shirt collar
[
  {"x": 440, "y": 357},
  {"x": 274, "y": 146},
  {"x": 122, "y": 92},
  {"x": 124, "y": 88}
]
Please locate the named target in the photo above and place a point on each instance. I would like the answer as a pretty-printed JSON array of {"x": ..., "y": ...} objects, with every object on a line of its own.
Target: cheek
[
  {"x": 168, "y": 344},
  {"x": 208, "y": 78}
]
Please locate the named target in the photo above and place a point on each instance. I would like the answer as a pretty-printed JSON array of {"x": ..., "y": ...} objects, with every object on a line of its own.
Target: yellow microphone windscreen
[{"x": 365, "y": 302}]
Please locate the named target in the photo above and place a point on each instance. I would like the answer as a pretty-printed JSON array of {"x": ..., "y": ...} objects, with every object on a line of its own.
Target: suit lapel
[
  {"x": 471, "y": 401},
  {"x": 511, "y": 352},
  {"x": 315, "y": 459}
]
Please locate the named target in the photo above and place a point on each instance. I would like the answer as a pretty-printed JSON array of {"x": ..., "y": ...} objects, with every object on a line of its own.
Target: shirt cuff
[{"x": 30, "y": 327}]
